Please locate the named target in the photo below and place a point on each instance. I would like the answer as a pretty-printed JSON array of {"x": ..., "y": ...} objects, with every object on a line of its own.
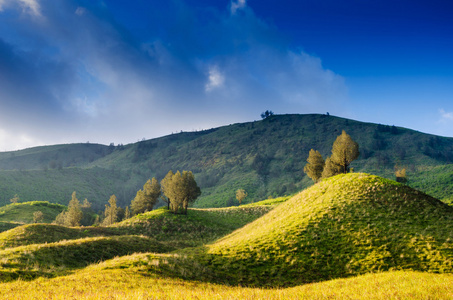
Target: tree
[
  {"x": 191, "y": 189},
  {"x": 344, "y": 151},
  {"x": 180, "y": 190},
  {"x": 15, "y": 199},
  {"x": 127, "y": 213},
  {"x": 38, "y": 216},
  {"x": 330, "y": 169},
  {"x": 400, "y": 175},
  {"x": 165, "y": 187},
  {"x": 89, "y": 216},
  {"x": 315, "y": 165},
  {"x": 111, "y": 212},
  {"x": 241, "y": 194},
  {"x": 73, "y": 215},
  {"x": 266, "y": 114},
  {"x": 146, "y": 199}
]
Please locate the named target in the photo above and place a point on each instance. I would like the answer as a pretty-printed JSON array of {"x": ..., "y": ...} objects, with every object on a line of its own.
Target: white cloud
[
  {"x": 445, "y": 116},
  {"x": 104, "y": 84},
  {"x": 10, "y": 140},
  {"x": 215, "y": 79},
  {"x": 31, "y": 7},
  {"x": 80, "y": 11},
  {"x": 235, "y": 6}
]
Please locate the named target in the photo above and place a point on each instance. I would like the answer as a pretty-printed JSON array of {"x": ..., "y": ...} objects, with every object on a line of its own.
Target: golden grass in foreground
[{"x": 127, "y": 278}]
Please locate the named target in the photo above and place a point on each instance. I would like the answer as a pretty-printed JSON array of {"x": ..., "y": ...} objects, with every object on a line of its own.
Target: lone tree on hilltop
[
  {"x": 315, "y": 165},
  {"x": 241, "y": 194},
  {"x": 180, "y": 189},
  {"x": 146, "y": 199},
  {"x": 267, "y": 114},
  {"x": 344, "y": 151}
]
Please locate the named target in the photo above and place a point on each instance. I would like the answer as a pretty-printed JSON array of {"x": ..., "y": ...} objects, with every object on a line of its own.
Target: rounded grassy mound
[{"x": 346, "y": 225}]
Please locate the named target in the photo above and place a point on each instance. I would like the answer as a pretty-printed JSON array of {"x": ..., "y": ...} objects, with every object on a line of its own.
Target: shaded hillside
[
  {"x": 196, "y": 228},
  {"x": 266, "y": 158},
  {"x": 344, "y": 226}
]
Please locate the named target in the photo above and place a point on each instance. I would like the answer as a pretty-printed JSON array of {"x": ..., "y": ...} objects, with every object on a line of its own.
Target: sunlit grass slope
[
  {"x": 127, "y": 278},
  {"x": 53, "y": 259},
  {"x": 23, "y": 212},
  {"x": 194, "y": 229},
  {"x": 49, "y": 233},
  {"x": 198, "y": 227},
  {"x": 343, "y": 226}
]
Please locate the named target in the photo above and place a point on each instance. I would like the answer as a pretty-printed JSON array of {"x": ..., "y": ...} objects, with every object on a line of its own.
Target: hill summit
[{"x": 346, "y": 225}]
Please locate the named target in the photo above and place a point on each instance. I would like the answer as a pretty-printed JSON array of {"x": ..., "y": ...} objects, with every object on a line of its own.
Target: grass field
[
  {"x": 353, "y": 236},
  {"x": 127, "y": 278}
]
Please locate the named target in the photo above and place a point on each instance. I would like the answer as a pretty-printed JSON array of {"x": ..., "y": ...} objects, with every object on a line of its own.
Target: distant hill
[
  {"x": 266, "y": 158},
  {"x": 23, "y": 212},
  {"x": 346, "y": 225}
]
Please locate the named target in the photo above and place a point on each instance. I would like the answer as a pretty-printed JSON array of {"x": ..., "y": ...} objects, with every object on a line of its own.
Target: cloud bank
[{"x": 76, "y": 71}]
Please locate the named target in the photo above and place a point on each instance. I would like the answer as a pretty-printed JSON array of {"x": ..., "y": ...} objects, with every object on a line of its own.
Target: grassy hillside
[
  {"x": 344, "y": 226},
  {"x": 35, "y": 250},
  {"x": 266, "y": 158},
  {"x": 199, "y": 226},
  {"x": 127, "y": 278},
  {"x": 23, "y": 212},
  {"x": 52, "y": 259}
]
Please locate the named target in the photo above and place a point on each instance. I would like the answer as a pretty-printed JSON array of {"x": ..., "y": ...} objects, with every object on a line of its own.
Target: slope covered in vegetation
[
  {"x": 198, "y": 227},
  {"x": 23, "y": 212},
  {"x": 266, "y": 158},
  {"x": 127, "y": 278},
  {"x": 343, "y": 226},
  {"x": 35, "y": 250}
]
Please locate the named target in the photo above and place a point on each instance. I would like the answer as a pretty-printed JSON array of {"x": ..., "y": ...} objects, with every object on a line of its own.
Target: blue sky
[{"x": 117, "y": 71}]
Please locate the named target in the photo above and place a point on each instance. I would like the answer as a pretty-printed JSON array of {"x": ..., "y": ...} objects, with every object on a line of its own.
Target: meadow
[{"x": 353, "y": 236}]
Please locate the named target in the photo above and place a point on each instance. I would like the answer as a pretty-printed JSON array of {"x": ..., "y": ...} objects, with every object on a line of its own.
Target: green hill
[
  {"x": 23, "y": 212},
  {"x": 266, "y": 158},
  {"x": 343, "y": 226},
  {"x": 35, "y": 250},
  {"x": 194, "y": 229}
]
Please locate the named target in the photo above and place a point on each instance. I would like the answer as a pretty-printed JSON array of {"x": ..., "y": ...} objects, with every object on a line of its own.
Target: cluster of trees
[
  {"x": 74, "y": 215},
  {"x": 267, "y": 114},
  {"x": 344, "y": 151},
  {"x": 177, "y": 189}
]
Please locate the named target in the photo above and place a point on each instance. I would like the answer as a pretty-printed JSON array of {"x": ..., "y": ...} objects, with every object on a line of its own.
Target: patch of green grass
[
  {"x": 23, "y": 212},
  {"x": 49, "y": 233},
  {"x": 4, "y": 226},
  {"x": 196, "y": 228},
  {"x": 272, "y": 201},
  {"x": 344, "y": 226},
  {"x": 52, "y": 259},
  {"x": 199, "y": 226},
  {"x": 127, "y": 278}
]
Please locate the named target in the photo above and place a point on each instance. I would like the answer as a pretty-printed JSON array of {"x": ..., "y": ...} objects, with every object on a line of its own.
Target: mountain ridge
[{"x": 265, "y": 158}]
